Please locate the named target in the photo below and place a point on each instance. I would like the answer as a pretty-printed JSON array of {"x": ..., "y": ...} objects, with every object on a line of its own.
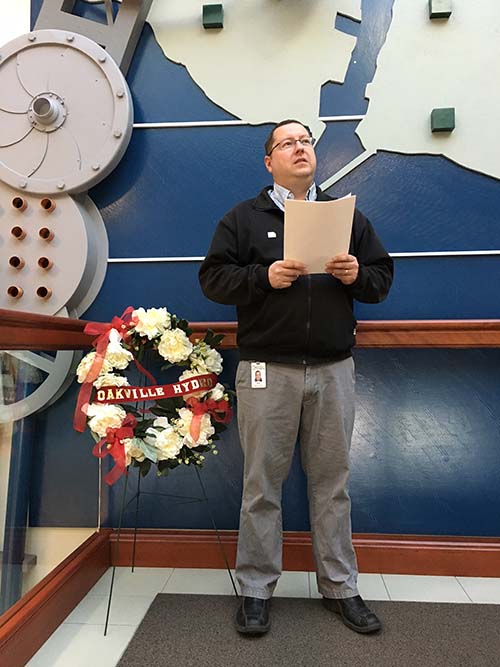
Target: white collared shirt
[{"x": 279, "y": 195}]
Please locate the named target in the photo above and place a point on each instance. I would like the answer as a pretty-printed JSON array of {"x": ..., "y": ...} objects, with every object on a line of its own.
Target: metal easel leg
[
  {"x": 117, "y": 545},
  {"x": 221, "y": 546}
]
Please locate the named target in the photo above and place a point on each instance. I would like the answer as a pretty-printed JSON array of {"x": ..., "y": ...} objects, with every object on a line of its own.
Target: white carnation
[
  {"x": 217, "y": 392},
  {"x": 167, "y": 441},
  {"x": 184, "y": 424},
  {"x": 151, "y": 322},
  {"x": 116, "y": 354},
  {"x": 111, "y": 380},
  {"x": 205, "y": 359},
  {"x": 105, "y": 416},
  {"x": 175, "y": 346},
  {"x": 86, "y": 364},
  {"x": 162, "y": 422},
  {"x": 213, "y": 362},
  {"x": 132, "y": 450}
]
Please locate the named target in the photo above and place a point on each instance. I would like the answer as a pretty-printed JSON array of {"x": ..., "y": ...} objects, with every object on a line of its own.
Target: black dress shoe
[
  {"x": 354, "y": 613},
  {"x": 253, "y": 616}
]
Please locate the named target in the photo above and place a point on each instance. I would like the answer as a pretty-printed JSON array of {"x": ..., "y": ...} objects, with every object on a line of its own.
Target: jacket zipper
[{"x": 308, "y": 321}]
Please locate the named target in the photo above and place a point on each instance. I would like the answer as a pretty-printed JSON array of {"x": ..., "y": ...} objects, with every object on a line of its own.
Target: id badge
[{"x": 258, "y": 373}]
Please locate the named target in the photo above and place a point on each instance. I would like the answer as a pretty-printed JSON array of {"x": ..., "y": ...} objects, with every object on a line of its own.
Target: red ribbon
[
  {"x": 123, "y": 325},
  {"x": 112, "y": 444},
  {"x": 219, "y": 410},
  {"x": 131, "y": 394}
]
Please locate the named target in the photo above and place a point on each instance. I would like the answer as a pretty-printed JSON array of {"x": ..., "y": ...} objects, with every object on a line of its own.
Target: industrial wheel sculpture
[
  {"x": 65, "y": 113},
  {"x": 66, "y": 118}
]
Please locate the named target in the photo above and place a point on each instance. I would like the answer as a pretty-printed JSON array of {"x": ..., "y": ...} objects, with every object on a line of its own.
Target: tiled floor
[{"x": 79, "y": 641}]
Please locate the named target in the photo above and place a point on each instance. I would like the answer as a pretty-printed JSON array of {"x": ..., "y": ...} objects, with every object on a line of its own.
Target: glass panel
[{"x": 41, "y": 520}]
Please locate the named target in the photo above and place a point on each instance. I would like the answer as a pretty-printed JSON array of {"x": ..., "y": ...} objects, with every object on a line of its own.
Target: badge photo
[{"x": 258, "y": 374}]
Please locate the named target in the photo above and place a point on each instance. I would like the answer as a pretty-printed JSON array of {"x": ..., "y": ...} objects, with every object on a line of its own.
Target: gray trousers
[{"x": 315, "y": 403}]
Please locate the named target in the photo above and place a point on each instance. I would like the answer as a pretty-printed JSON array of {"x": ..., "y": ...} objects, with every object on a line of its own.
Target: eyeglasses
[{"x": 289, "y": 144}]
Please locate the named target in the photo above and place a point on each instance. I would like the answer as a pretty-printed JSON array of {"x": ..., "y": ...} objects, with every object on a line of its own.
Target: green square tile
[
  {"x": 443, "y": 120},
  {"x": 439, "y": 9},
  {"x": 213, "y": 16}
]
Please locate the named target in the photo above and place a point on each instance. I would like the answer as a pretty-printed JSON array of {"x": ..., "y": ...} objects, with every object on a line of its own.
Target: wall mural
[{"x": 403, "y": 107}]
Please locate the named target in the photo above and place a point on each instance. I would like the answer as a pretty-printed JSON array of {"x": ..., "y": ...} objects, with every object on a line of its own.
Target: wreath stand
[{"x": 178, "y": 500}]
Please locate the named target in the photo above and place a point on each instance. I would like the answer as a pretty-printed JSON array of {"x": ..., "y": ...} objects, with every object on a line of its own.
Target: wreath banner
[
  {"x": 177, "y": 422},
  {"x": 130, "y": 394}
]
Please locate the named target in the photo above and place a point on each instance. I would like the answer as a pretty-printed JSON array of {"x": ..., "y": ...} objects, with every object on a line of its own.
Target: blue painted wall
[{"x": 426, "y": 452}]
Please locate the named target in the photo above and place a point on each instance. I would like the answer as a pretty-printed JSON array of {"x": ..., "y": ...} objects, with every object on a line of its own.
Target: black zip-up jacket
[{"x": 311, "y": 321}]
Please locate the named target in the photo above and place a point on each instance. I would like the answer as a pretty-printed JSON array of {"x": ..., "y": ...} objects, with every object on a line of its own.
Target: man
[{"x": 298, "y": 329}]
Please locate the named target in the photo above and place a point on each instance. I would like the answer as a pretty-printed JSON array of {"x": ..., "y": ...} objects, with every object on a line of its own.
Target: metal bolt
[
  {"x": 31, "y": 38},
  {"x": 61, "y": 185},
  {"x": 120, "y": 92},
  {"x": 117, "y": 133},
  {"x": 23, "y": 184},
  {"x": 96, "y": 167},
  {"x": 70, "y": 38}
]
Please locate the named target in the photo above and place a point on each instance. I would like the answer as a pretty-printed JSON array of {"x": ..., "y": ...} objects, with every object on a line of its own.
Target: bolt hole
[
  {"x": 48, "y": 205},
  {"x": 16, "y": 262},
  {"x": 46, "y": 234},
  {"x": 18, "y": 233},
  {"x": 20, "y": 204},
  {"x": 44, "y": 263},
  {"x": 15, "y": 292},
  {"x": 44, "y": 292}
]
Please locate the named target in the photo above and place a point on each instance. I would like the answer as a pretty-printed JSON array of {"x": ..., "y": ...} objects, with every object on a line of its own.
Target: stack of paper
[{"x": 316, "y": 231}]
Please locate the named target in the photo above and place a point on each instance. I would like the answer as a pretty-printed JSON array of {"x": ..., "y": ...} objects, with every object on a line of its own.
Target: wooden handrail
[{"x": 28, "y": 331}]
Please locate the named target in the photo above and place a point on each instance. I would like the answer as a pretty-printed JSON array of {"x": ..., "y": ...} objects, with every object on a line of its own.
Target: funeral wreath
[{"x": 163, "y": 425}]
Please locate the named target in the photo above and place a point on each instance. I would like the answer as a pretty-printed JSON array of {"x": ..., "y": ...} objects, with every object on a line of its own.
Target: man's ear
[{"x": 267, "y": 162}]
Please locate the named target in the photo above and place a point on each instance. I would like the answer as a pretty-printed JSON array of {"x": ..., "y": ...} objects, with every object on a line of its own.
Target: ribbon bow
[
  {"x": 112, "y": 444},
  {"x": 219, "y": 410},
  {"x": 102, "y": 331},
  {"x": 123, "y": 325}
]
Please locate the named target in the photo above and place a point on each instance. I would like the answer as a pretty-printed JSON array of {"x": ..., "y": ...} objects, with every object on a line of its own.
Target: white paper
[{"x": 316, "y": 231}]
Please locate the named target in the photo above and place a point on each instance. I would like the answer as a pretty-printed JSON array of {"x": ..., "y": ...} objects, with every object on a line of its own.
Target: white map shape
[
  {"x": 428, "y": 64},
  {"x": 14, "y": 19},
  {"x": 270, "y": 59}
]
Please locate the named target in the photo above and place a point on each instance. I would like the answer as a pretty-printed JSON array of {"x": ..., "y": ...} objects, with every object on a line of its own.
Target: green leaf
[
  {"x": 213, "y": 339},
  {"x": 145, "y": 467},
  {"x": 166, "y": 366},
  {"x": 184, "y": 325},
  {"x": 219, "y": 427},
  {"x": 166, "y": 465},
  {"x": 170, "y": 405},
  {"x": 159, "y": 411},
  {"x": 142, "y": 427}
]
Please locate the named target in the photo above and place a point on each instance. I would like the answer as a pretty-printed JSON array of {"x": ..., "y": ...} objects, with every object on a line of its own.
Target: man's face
[{"x": 297, "y": 163}]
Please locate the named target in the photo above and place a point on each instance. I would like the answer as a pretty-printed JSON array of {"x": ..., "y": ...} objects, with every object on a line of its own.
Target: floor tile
[
  {"x": 371, "y": 586},
  {"x": 83, "y": 645},
  {"x": 482, "y": 589},
  {"x": 424, "y": 588},
  {"x": 208, "y": 582},
  {"x": 142, "y": 581},
  {"x": 80, "y": 641},
  {"x": 125, "y": 609},
  {"x": 292, "y": 585}
]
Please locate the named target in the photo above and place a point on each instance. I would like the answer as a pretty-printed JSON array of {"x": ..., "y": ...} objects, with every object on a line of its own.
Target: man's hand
[
  {"x": 284, "y": 272},
  {"x": 344, "y": 267}
]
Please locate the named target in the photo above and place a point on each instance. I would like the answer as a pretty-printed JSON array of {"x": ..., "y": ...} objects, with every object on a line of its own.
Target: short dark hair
[{"x": 270, "y": 139}]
